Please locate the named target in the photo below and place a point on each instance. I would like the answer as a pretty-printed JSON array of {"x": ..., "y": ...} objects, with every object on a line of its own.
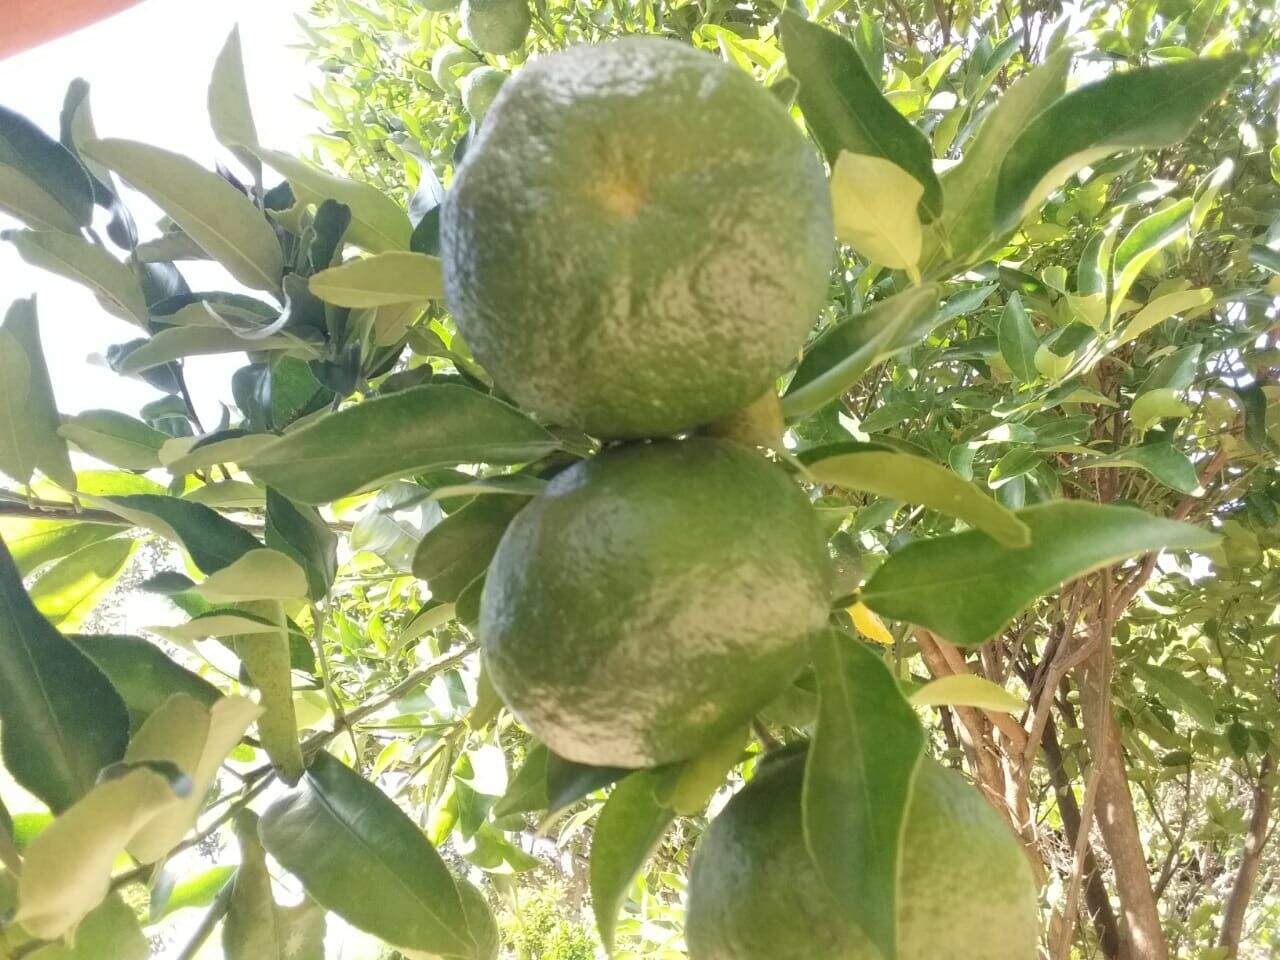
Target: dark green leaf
[
  {"x": 967, "y": 586},
  {"x": 61, "y": 721},
  {"x": 843, "y": 105},
  {"x": 551, "y": 783},
  {"x": 1143, "y": 107},
  {"x": 407, "y": 432},
  {"x": 28, "y": 413},
  {"x": 211, "y": 539},
  {"x": 629, "y": 829},
  {"x": 358, "y": 855},
  {"x": 857, "y": 784},
  {"x": 458, "y": 549},
  {"x": 143, "y": 675},
  {"x": 1179, "y": 693},
  {"x": 1018, "y": 340},
  {"x": 301, "y": 533},
  {"x": 41, "y": 182}
]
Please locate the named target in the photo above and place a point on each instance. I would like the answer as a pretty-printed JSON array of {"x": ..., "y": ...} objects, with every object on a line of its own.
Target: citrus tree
[{"x": 873, "y": 409}]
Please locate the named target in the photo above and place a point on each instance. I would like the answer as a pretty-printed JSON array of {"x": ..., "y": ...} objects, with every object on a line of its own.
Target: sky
[{"x": 148, "y": 71}]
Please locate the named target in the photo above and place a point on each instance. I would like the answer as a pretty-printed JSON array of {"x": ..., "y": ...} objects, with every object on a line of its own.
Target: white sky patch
[{"x": 148, "y": 72}]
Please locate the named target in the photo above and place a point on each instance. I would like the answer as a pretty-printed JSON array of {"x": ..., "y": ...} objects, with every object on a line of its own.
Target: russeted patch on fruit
[
  {"x": 652, "y": 599},
  {"x": 638, "y": 240},
  {"x": 966, "y": 891}
]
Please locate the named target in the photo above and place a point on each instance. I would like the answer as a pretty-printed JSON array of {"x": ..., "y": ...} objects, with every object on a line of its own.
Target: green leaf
[
  {"x": 1152, "y": 406},
  {"x": 142, "y": 674},
  {"x": 843, "y": 105},
  {"x": 34, "y": 543},
  {"x": 458, "y": 549},
  {"x": 258, "y": 574},
  {"x": 875, "y": 202},
  {"x": 1159, "y": 310},
  {"x": 178, "y": 342},
  {"x": 115, "y": 438},
  {"x": 60, "y": 720},
  {"x": 1018, "y": 340},
  {"x": 1179, "y": 693},
  {"x": 551, "y": 783},
  {"x": 196, "y": 739},
  {"x": 301, "y": 533},
  {"x": 230, "y": 114},
  {"x": 857, "y": 784},
  {"x": 380, "y": 280},
  {"x": 41, "y": 182},
  {"x": 1144, "y": 107},
  {"x": 69, "y": 590},
  {"x": 966, "y": 690},
  {"x": 66, "y": 870},
  {"x": 967, "y": 226},
  {"x": 110, "y": 930},
  {"x": 378, "y": 224},
  {"x": 912, "y": 479},
  {"x": 198, "y": 891},
  {"x": 358, "y": 855},
  {"x": 1158, "y": 458},
  {"x": 409, "y": 431},
  {"x": 268, "y": 661},
  {"x": 183, "y": 455},
  {"x": 258, "y": 928},
  {"x": 211, "y": 539},
  {"x": 222, "y": 221},
  {"x": 70, "y": 256},
  {"x": 847, "y": 350},
  {"x": 29, "y": 418},
  {"x": 966, "y": 586},
  {"x": 1147, "y": 237},
  {"x": 629, "y": 829}
]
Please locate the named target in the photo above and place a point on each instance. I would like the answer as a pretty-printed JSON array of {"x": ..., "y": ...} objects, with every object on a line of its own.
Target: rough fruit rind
[
  {"x": 966, "y": 889},
  {"x": 497, "y": 26},
  {"x": 652, "y": 600},
  {"x": 639, "y": 239}
]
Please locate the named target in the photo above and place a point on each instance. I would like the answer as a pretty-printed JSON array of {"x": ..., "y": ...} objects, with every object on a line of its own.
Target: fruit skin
[
  {"x": 447, "y": 59},
  {"x": 652, "y": 600},
  {"x": 497, "y": 26},
  {"x": 638, "y": 240},
  {"x": 966, "y": 889},
  {"x": 479, "y": 87}
]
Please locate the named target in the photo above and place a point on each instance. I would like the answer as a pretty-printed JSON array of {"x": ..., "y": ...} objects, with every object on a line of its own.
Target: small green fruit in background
[
  {"x": 497, "y": 26},
  {"x": 966, "y": 891},
  {"x": 446, "y": 64},
  {"x": 652, "y": 599},
  {"x": 438, "y": 6},
  {"x": 479, "y": 87}
]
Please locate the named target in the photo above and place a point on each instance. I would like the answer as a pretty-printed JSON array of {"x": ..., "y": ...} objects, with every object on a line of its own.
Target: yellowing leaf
[
  {"x": 67, "y": 868},
  {"x": 1155, "y": 405},
  {"x": 870, "y": 625},
  {"x": 261, "y": 574},
  {"x": 195, "y": 739},
  {"x": 875, "y": 203},
  {"x": 1161, "y": 309},
  {"x": 966, "y": 690},
  {"x": 381, "y": 280}
]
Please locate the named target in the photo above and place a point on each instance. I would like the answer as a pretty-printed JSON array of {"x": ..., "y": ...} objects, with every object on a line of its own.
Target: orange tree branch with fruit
[{"x": 803, "y": 482}]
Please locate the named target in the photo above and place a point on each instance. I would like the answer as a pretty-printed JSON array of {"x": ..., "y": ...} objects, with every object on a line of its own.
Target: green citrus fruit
[
  {"x": 438, "y": 6},
  {"x": 446, "y": 63},
  {"x": 497, "y": 26},
  {"x": 638, "y": 240},
  {"x": 479, "y": 87},
  {"x": 652, "y": 600},
  {"x": 966, "y": 891}
]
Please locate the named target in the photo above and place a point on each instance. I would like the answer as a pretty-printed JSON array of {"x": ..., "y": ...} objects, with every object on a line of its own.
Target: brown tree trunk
[
  {"x": 1144, "y": 939},
  {"x": 1095, "y": 890},
  {"x": 1250, "y": 861}
]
